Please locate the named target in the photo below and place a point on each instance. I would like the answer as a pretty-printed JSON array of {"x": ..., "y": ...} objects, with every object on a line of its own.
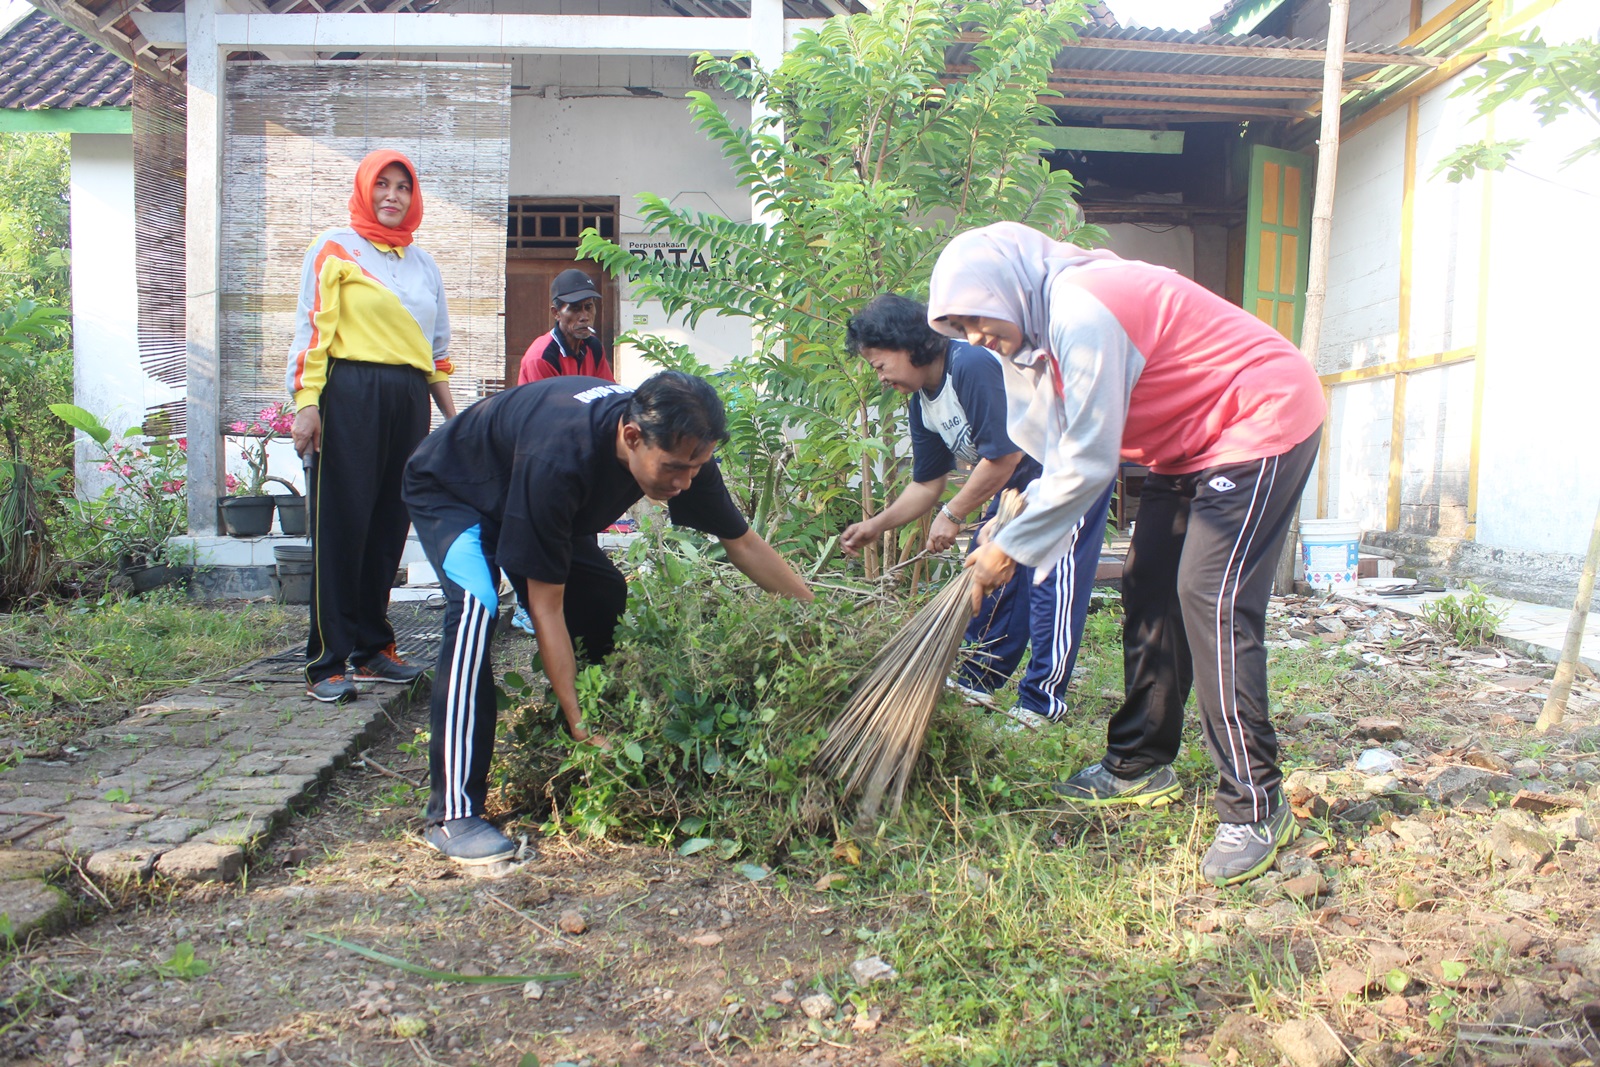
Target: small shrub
[{"x": 1470, "y": 619}]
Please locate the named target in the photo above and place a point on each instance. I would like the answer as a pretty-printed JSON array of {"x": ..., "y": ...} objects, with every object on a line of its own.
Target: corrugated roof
[
  {"x": 1131, "y": 76},
  {"x": 44, "y": 64}
]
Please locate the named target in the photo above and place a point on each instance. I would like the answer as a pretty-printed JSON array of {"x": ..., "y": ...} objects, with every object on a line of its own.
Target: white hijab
[{"x": 1004, "y": 271}]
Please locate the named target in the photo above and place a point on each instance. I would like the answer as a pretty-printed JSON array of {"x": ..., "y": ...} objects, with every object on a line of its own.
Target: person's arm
[
  {"x": 555, "y": 649},
  {"x": 918, "y": 499},
  {"x": 316, "y": 321},
  {"x": 442, "y": 397},
  {"x": 986, "y": 479},
  {"x": 1099, "y": 367},
  {"x": 761, "y": 563}
]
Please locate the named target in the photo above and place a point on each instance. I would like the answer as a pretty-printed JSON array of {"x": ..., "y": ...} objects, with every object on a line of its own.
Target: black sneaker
[
  {"x": 1096, "y": 787},
  {"x": 334, "y": 689},
  {"x": 387, "y": 666},
  {"x": 472, "y": 841},
  {"x": 1242, "y": 851}
]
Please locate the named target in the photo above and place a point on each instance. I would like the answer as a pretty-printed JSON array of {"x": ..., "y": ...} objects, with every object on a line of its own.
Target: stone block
[
  {"x": 257, "y": 763},
  {"x": 202, "y": 862},
  {"x": 17, "y": 863},
  {"x": 236, "y": 832},
  {"x": 131, "y": 863},
  {"x": 32, "y": 905},
  {"x": 170, "y": 830},
  {"x": 1453, "y": 785}
]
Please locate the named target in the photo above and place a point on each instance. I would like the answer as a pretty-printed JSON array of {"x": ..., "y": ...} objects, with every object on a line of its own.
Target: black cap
[{"x": 572, "y": 286}]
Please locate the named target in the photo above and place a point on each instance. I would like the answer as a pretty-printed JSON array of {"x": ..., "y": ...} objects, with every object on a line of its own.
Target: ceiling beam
[
  {"x": 1185, "y": 48},
  {"x": 1206, "y": 107},
  {"x": 616, "y": 35}
]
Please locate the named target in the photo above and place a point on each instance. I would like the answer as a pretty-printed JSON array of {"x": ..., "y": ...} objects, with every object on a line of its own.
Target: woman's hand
[
  {"x": 857, "y": 535},
  {"x": 991, "y": 568},
  {"x": 942, "y": 534},
  {"x": 583, "y": 736},
  {"x": 307, "y": 430}
]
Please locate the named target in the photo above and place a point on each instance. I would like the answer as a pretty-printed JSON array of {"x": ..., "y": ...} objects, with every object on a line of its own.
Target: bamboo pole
[
  {"x": 1321, "y": 230},
  {"x": 1555, "y": 705}
]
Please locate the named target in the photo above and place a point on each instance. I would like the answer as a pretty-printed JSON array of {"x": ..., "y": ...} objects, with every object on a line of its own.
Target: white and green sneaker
[
  {"x": 1096, "y": 787},
  {"x": 1242, "y": 851}
]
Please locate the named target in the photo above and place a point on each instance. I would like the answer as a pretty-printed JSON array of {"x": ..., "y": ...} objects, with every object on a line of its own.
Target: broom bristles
[{"x": 874, "y": 743}]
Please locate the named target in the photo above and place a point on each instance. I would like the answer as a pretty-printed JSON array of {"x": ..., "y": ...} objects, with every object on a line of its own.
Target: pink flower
[
  {"x": 127, "y": 471},
  {"x": 232, "y": 483},
  {"x": 108, "y": 466},
  {"x": 172, "y": 485},
  {"x": 183, "y": 444},
  {"x": 238, "y": 427}
]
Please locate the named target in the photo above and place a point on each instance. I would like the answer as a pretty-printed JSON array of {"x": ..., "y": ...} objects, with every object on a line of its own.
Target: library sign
[{"x": 652, "y": 247}]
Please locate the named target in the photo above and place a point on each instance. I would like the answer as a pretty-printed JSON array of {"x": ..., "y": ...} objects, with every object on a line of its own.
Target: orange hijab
[{"x": 362, "y": 218}]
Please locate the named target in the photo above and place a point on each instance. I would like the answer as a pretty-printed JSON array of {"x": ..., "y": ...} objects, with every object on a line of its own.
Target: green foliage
[
  {"x": 143, "y": 505},
  {"x": 183, "y": 963},
  {"x": 864, "y": 157},
  {"x": 26, "y": 560},
  {"x": 1555, "y": 80},
  {"x": 34, "y": 221},
  {"x": 1470, "y": 619}
]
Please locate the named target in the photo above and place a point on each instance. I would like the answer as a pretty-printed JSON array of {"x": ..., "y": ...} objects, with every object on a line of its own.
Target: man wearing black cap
[{"x": 571, "y": 346}]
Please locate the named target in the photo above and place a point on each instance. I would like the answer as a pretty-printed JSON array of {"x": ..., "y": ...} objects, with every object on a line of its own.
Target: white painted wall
[
  {"x": 606, "y": 145},
  {"x": 1538, "y": 481},
  {"x": 1517, "y": 243},
  {"x": 1167, "y": 246},
  {"x": 107, "y": 377}
]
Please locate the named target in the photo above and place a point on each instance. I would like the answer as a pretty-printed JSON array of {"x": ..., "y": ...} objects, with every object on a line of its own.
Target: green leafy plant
[
  {"x": 1555, "y": 80},
  {"x": 1470, "y": 618},
  {"x": 145, "y": 504},
  {"x": 26, "y": 563},
  {"x": 867, "y": 154},
  {"x": 183, "y": 963}
]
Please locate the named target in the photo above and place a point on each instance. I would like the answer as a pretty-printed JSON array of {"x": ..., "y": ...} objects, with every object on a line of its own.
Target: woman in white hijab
[{"x": 1107, "y": 358}]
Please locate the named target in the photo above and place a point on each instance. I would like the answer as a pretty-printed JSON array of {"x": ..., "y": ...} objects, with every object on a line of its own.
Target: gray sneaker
[
  {"x": 1096, "y": 787},
  {"x": 1242, "y": 851},
  {"x": 471, "y": 841}
]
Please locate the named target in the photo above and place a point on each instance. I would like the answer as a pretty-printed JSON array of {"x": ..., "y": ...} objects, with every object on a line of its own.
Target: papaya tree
[{"x": 877, "y": 138}]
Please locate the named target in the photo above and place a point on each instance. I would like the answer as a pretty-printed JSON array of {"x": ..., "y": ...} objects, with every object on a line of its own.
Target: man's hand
[
  {"x": 858, "y": 535},
  {"x": 991, "y": 568},
  {"x": 943, "y": 533},
  {"x": 583, "y": 736},
  {"x": 307, "y": 430}
]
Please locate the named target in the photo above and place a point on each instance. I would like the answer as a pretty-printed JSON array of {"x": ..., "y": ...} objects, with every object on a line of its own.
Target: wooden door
[
  {"x": 528, "y": 305},
  {"x": 1277, "y": 246}
]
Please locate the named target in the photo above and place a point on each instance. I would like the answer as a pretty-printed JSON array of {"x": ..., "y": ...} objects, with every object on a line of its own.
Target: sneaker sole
[
  {"x": 481, "y": 861},
  {"x": 387, "y": 681},
  {"x": 342, "y": 699},
  {"x": 1159, "y": 799},
  {"x": 1261, "y": 868}
]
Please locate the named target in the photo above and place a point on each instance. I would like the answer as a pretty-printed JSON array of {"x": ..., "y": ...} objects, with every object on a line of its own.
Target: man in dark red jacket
[{"x": 571, "y": 346}]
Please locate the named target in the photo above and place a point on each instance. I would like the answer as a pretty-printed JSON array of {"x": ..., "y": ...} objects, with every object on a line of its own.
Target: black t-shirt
[
  {"x": 964, "y": 419},
  {"x": 539, "y": 463}
]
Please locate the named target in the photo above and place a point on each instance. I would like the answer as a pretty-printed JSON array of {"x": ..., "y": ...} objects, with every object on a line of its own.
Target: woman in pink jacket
[{"x": 1107, "y": 358}]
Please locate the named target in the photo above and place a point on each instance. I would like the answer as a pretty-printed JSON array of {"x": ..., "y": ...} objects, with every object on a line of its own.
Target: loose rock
[
  {"x": 818, "y": 1006},
  {"x": 1379, "y": 729},
  {"x": 198, "y": 862},
  {"x": 1454, "y": 785},
  {"x": 572, "y": 922},
  {"x": 1518, "y": 848},
  {"x": 1306, "y": 887},
  {"x": 1308, "y": 1043},
  {"x": 872, "y": 969}
]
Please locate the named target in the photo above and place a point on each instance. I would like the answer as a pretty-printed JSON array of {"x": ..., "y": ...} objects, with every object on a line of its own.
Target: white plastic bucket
[{"x": 1331, "y": 552}]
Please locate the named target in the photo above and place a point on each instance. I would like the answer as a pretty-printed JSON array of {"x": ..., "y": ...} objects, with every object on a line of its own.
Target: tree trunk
[{"x": 1555, "y": 705}]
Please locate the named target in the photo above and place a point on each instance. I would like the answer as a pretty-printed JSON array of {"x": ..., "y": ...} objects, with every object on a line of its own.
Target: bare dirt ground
[
  {"x": 1436, "y": 910},
  {"x": 681, "y": 960}
]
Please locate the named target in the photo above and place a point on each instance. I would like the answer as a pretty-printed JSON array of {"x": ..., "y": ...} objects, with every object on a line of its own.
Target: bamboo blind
[
  {"x": 295, "y": 133},
  {"x": 159, "y": 152}
]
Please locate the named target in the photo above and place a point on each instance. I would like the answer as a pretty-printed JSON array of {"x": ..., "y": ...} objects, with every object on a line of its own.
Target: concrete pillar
[{"x": 203, "y": 210}]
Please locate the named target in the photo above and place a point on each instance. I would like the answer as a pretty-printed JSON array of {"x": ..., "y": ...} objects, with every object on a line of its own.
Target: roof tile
[{"x": 45, "y": 64}]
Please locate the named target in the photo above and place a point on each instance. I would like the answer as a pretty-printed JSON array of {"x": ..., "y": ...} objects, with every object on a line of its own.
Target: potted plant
[
  {"x": 132, "y": 521},
  {"x": 247, "y": 512}
]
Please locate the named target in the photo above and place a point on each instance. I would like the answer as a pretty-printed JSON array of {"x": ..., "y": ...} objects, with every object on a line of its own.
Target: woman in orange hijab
[{"x": 372, "y": 341}]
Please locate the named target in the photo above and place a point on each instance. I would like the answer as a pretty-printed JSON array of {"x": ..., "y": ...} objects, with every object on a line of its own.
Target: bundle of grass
[{"x": 874, "y": 743}]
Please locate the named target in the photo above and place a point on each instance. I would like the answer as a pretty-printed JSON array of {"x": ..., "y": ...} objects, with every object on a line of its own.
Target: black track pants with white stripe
[
  {"x": 464, "y": 711},
  {"x": 1195, "y": 590}
]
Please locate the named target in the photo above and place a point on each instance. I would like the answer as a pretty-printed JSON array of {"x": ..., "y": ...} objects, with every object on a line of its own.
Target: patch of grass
[{"x": 103, "y": 660}]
